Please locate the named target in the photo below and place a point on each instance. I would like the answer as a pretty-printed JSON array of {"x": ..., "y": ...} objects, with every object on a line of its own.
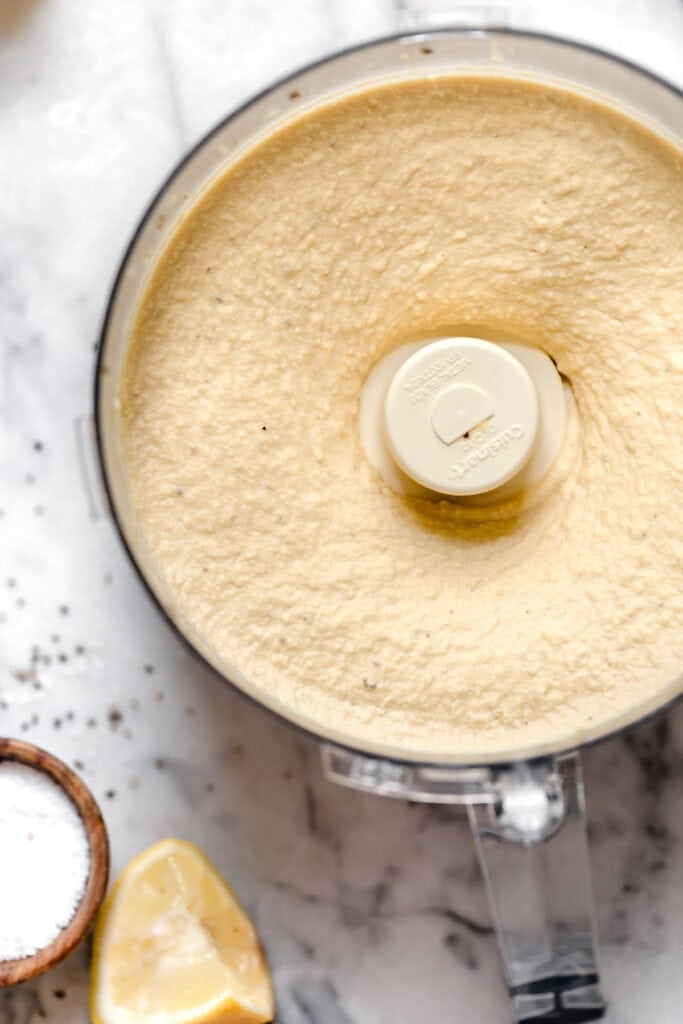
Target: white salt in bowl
[{"x": 73, "y": 933}]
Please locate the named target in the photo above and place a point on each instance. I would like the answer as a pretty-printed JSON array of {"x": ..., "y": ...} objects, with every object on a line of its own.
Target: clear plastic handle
[{"x": 533, "y": 849}]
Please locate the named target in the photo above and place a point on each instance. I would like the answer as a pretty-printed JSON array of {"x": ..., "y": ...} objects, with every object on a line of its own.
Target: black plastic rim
[{"x": 99, "y": 431}]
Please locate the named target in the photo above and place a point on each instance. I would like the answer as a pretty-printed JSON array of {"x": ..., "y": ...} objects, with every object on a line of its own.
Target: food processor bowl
[
  {"x": 497, "y": 52},
  {"x": 526, "y": 805}
]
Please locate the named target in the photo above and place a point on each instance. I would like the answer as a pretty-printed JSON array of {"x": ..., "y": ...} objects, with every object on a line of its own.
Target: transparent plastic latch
[
  {"x": 423, "y": 783},
  {"x": 431, "y": 14},
  {"x": 89, "y": 468},
  {"x": 529, "y": 826}
]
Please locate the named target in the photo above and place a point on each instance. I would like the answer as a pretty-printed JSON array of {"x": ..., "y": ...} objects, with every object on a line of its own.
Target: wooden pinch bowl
[{"x": 13, "y": 971}]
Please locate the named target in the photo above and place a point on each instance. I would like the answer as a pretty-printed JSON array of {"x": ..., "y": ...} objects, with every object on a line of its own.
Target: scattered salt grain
[{"x": 44, "y": 860}]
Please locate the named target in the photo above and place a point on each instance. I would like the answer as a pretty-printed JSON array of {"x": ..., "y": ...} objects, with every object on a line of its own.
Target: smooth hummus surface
[{"x": 405, "y": 208}]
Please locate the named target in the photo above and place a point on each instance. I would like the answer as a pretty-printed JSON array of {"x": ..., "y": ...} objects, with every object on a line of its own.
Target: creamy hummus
[{"x": 401, "y": 209}]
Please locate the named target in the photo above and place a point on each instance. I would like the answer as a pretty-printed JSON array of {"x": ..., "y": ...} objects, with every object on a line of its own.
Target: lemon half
[{"x": 174, "y": 946}]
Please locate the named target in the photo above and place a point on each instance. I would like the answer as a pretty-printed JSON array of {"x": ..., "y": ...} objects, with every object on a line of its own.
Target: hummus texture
[{"x": 400, "y": 209}]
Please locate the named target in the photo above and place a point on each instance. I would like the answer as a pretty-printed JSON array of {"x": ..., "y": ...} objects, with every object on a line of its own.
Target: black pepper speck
[{"x": 115, "y": 717}]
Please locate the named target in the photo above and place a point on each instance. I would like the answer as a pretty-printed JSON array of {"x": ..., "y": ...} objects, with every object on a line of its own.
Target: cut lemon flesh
[{"x": 174, "y": 946}]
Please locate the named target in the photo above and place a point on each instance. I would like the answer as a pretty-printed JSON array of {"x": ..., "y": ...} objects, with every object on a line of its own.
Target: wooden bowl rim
[{"x": 14, "y": 971}]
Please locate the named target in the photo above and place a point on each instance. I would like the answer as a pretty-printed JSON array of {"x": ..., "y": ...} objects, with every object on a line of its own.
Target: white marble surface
[{"x": 371, "y": 910}]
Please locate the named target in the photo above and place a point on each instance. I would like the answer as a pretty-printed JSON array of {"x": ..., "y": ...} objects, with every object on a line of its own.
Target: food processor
[{"x": 526, "y": 806}]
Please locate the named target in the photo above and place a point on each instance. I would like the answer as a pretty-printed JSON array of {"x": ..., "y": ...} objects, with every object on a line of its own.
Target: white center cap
[{"x": 461, "y": 416}]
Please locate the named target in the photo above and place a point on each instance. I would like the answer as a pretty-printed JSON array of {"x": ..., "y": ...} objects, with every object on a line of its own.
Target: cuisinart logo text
[{"x": 487, "y": 450}]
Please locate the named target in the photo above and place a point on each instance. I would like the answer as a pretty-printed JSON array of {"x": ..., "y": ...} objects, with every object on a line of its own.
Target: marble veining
[{"x": 371, "y": 910}]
